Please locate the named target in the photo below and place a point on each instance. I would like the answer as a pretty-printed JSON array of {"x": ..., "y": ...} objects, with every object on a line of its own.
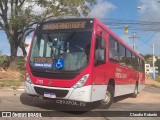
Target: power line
[
  {"x": 133, "y": 25},
  {"x": 146, "y": 42}
]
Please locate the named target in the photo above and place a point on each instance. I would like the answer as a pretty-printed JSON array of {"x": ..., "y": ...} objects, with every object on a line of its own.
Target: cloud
[
  {"x": 19, "y": 52},
  {"x": 149, "y": 15},
  {"x": 150, "y": 5},
  {"x": 149, "y": 10},
  {"x": 28, "y": 41},
  {"x": 36, "y": 9},
  {"x": 101, "y": 9}
]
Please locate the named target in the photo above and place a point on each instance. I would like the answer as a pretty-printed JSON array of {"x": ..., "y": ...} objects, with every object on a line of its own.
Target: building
[{"x": 149, "y": 70}]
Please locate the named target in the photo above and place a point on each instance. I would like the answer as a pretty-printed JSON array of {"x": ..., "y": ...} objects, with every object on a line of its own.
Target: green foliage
[
  {"x": 158, "y": 79},
  {"x": 60, "y": 8},
  {"x": 20, "y": 63},
  {"x": 157, "y": 63},
  {"x": 147, "y": 56},
  {"x": 1, "y": 52},
  {"x": 18, "y": 18},
  {"x": 147, "y": 59},
  {"x": 3, "y": 58},
  {"x": 11, "y": 83}
]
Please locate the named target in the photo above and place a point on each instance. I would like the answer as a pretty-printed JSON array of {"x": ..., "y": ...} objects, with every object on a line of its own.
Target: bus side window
[
  {"x": 100, "y": 51},
  {"x": 138, "y": 65},
  {"x": 128, "y": 59},
  {"x": 113, "y": 50},
  {"x": 122, "y": 55},
  {"x": 142, "y": 66},
  {"x": 134, "y": 61}
]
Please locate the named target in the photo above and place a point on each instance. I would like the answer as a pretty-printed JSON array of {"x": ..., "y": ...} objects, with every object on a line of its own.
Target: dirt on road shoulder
[
  {"x": 11, "y": 79},
  {"x": 10, "y": 75},
  {"x": 152, "y": 82}
]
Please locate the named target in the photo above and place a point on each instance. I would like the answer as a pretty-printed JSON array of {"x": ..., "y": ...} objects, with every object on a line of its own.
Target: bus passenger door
[{"x": 99, "y": 73}]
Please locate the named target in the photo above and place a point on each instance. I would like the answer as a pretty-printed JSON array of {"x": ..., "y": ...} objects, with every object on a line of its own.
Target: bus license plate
[{"x": 49, "y": 95}]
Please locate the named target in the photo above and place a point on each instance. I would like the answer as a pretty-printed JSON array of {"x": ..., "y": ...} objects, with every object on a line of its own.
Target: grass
[
  {"x": 158, "y": 79},
  {"x": 154, "y": 86},
  {"x": 14, "y": 84},
  {"x": 11, "y": 82}
]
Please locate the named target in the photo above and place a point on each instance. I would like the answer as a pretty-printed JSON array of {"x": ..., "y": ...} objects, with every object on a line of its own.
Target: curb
[
  {"x": 20, "y": 88},
  {"x": 153, "y": 85}
]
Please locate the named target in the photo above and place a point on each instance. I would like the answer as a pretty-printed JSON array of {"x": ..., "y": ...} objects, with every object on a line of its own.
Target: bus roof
[{"x": 67, "y": 19}]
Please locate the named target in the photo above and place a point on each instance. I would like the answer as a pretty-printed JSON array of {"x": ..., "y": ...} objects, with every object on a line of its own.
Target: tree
[
  {"x": 157, "y": 64},
  {"x": 148, "y": 59},
  {"x": 147, "y": 56},
  {"x": 1, "y": 52},
  {"x": 18, "y": 18}
]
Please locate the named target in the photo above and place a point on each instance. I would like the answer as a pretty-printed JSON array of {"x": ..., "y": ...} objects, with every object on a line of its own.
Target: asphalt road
[{"x": 147, "y": 100}]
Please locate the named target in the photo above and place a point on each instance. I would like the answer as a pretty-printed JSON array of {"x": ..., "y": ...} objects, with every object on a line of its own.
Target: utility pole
[
  {"x": 134, "y": 37},
  {"x": 153, "y": 63}
]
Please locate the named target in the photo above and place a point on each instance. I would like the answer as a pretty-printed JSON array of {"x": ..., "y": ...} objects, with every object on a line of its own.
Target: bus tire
[
  {"x": 135, "y": 93},
  {"x": 109, "y": 98}
]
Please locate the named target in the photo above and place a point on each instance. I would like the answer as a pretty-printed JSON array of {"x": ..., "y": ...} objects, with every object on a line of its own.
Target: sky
[{"x": 141, "y": 16}]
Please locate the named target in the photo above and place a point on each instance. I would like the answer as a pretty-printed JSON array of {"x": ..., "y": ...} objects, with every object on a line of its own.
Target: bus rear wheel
[
  {"x": 109, "y": 98},
  {"x": 135, "y": 93}
]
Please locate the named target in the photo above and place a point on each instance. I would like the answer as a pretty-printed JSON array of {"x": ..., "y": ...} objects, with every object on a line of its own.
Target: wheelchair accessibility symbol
[{"x": 59, "y": 63}]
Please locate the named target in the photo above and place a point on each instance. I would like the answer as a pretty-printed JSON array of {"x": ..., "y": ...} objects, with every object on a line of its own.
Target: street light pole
[
  {"x": 153, "y": 63},
  {"x": 154, "y": 72}
]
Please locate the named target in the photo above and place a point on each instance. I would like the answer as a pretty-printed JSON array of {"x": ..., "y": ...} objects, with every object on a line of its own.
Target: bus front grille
[
  {"x": 58, "y": 93},
  {"x": 54, "y": 75}
]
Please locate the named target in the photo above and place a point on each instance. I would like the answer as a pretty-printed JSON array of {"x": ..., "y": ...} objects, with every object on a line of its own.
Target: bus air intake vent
[
  {"x": 53, "y": 75},
  {"x": 58, "y": 93}
]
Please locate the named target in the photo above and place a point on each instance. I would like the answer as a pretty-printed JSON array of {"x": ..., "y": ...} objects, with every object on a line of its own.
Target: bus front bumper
[{"x": 79, "y": 94}]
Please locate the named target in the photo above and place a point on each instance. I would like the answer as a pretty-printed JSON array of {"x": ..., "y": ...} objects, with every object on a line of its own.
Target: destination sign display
[
  {"x": 43, "y": 62},
  {"x": 64, "y": 25},
  {"x": 43, "y": 59}
]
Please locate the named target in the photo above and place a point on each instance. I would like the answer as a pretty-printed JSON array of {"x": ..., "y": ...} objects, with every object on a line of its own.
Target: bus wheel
[
  {"x": 109, "y": 98},
  {"x": 135, "y": 93}
]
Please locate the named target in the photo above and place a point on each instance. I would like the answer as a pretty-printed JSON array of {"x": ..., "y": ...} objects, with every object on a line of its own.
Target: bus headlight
[
  {"x": 81, "y": 82},
  {"x": 28, "y": 79}
]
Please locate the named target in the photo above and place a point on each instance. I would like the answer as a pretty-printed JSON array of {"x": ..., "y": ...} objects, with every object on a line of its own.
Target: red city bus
[{"x": 81, "y": 60}]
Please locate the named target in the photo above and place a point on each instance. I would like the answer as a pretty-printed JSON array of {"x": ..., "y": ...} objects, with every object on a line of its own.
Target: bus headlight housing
[
  {"x": 28, "y": 79},
  {"x": 81, "y": 82}
]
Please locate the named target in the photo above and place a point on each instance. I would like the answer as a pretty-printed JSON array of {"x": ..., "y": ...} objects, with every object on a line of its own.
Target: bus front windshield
[{"x": 61, "y": 51}]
